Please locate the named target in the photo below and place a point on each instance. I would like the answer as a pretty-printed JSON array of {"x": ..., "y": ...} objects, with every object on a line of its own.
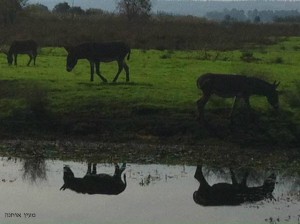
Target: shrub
[
  {"x": 167, "y": 55},
  {"x": 278, "y": 60},
  {"x": 247, "y": 56},
  {"x": 37, "y": 102},
  {"x": 293, "y": 97}
]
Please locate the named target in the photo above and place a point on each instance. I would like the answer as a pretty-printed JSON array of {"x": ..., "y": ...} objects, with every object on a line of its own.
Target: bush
[
  {"x": 37, "y": 102},
  {"x": 247, "y": 56},
  {"x": 173, "y": 32},
  {"x": 293, "y": 97},
  {"x": 278, "y": 60}
]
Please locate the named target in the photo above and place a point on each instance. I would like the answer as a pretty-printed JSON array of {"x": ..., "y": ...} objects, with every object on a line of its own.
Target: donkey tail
[
  {"x": 128, "y": 56},
  {"x": 199, "y": 82}
]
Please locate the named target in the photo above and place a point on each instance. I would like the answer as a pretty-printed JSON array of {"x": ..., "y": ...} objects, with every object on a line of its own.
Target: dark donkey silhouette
[
  {"x": 22, "y": 47},
  {"x": 93, "y": 183},
  {"x": 231, "y": 194},
  {"x": 100, "y": 52},
  {"x": 237, "y": 86}
]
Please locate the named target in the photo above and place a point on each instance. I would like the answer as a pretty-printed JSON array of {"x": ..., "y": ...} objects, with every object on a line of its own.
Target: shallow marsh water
[{"x": 156, "y": 193}]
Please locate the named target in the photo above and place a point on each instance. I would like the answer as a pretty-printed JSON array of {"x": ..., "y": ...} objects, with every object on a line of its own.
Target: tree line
[
  {"x": 132, "y": 9},
  {"x": 253, "y": 15},
  {"x": 132, "y": 22}
]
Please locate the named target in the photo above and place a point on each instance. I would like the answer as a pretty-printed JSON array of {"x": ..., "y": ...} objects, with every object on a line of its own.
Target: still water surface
[{"x": 153, "y": 194}]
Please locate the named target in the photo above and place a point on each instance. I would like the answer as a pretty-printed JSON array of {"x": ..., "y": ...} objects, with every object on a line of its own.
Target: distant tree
[
  {"x": 228, "y": 19},
  {"x": 93, "y": 11},
  {"x": 76, "y": 10},
  {"x": 23, "y": 3},
  {"x": 133, "y": 9},
  {"x": 37, "y": 8},
  {"x": 227, "y": 15},
  {"x": 9, "y": 10},
  {"x": 256, "y": 19},
  {"x": 61, "y": 8}
]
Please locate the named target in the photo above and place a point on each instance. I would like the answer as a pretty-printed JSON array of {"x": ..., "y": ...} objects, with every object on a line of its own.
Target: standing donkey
[
  {"x": 28, "y": 47},
  {"x": 237, "y": 86},
  {"x": 100, "y": 52},
  {"x": 93, "y": 183},
  {"x": 231, "y": 194}
]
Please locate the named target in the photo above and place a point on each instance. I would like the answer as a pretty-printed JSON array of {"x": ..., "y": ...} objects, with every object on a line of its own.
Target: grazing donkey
[
  {"x": 22, "y": 47},
  {"x": 93, "y": 183},
  {"x": 237, "y": 86},
  {"x": 231, "y": 194},
  {"x": 100, "y": 52}
]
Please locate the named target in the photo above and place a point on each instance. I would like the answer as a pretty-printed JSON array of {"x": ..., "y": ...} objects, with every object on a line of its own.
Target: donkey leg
[
  {"x": 244, "y": 181},
  {"x": 233, "y": 178},
  {"x": 199, "y": 176},
  {"x": 34, "y": 58},
  {"x": 94, "y": 171},
  {"x": 117, "y": 170},
  {"x": 30, "y": 59},
  {"x": 201, "y": 104},
  {"x": 126, "y": 70},
  {"x": 233, "y": 108},
  {"x": 98, "y": 71},
  {"x": 16, "y": 57},
  {"x": 247, "y": 101},
  {"x": 89, "y": 170},
  {"x": 92, "y": 71},
  {"x": 120, "y": 64},
  {"x": 250, "y": 112}
]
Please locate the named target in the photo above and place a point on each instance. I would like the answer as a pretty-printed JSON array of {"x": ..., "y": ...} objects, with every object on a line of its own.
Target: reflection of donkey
[
  {"x": 237, "y": 86},
  {"x": 100, "y": 52},
  {"x": 93, "y": 183},
  {"x": 22, "y": 47},
  {"x": 231, "y": 194}
]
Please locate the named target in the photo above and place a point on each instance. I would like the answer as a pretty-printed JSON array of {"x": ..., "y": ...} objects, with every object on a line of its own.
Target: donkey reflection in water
[
  {"x": 100, "y": 52},
  {"x": 231, "y": 194},
  {"x": 237, "y": 86},
  {"x": 93, "y": 183},
  {"x": 28, "y": 47}
]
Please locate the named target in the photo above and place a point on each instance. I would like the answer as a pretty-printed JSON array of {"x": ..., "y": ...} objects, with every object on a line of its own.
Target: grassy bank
[
  {"x": 214, "y": 155},
  {"x": 158, "y": 104}
]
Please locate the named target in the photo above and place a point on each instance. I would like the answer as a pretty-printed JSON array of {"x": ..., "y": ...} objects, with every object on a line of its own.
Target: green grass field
[{"x": 159, "y": 102}]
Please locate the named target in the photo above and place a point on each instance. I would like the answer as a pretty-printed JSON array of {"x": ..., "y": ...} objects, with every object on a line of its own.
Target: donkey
[
  {"x": 231, "y": 194},
  {"x": 28, "y": 47},
  {"x": 100, "y": 52},
  {"x": 93, "y": 183},
  {"x": 237, "y": 86}
]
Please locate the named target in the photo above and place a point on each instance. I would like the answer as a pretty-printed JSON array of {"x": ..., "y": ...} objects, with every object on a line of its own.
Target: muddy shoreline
[{"x": 228, "y": 155}]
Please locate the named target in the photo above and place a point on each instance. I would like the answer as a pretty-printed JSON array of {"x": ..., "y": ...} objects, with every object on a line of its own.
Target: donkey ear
[
  {"x": 276, "y": 84},
  {"x": 63, "y": 187}
]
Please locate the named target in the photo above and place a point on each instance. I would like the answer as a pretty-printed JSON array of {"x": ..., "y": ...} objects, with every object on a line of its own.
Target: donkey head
[
  {"x": 68, "y": 176},
  {"x": 273, "y": 95},
  {"x": 71, "y": 58}
]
